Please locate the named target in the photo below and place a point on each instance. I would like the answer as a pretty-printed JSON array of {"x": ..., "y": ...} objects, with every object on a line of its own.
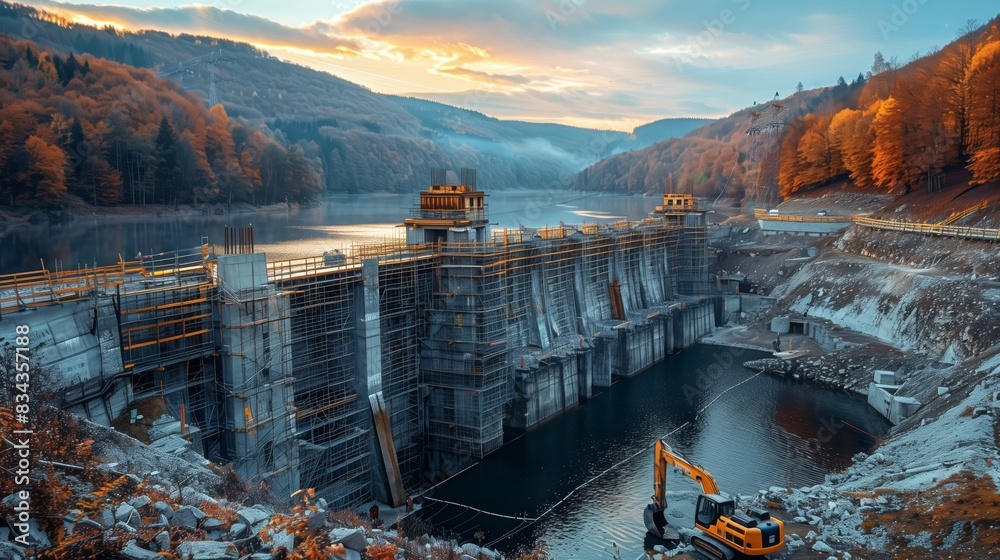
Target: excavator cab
[{"x": 711, "y": 507}]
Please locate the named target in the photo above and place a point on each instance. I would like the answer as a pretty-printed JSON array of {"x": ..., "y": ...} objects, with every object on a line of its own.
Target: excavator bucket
[{"x": 656, "y": 524}]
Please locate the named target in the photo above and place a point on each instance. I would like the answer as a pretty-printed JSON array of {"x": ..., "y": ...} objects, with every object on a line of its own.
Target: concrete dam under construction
[{"x": 374, "y": 373}]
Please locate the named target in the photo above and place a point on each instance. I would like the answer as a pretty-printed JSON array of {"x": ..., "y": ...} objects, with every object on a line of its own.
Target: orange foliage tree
[
  {"x": 46, "y": 171},
  {"x": 104, "y": 118},
  {"x": 906, "y": 123},
  {"x": 984, "y": 114}
]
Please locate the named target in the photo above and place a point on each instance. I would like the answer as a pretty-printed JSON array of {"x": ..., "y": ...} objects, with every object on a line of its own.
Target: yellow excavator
[{"x": 727, "y": 532}]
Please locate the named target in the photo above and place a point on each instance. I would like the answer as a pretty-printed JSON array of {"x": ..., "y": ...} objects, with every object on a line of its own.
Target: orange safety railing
[
  {"x": 762, "y": 214},
  {"x": 956, "y": 216},
  {"x": 39, "y": 288},
  {"x": 930, "y": 229}
]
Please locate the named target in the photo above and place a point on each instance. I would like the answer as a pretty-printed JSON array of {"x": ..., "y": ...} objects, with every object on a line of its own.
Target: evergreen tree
[
  {"x": 68, "y": 69},
  {"x": 165, "y": 178},
  {"x": 75, "y": 153}
]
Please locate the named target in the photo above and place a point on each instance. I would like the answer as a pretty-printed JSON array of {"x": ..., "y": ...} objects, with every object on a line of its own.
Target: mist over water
[{"x": 765, "y": 432}]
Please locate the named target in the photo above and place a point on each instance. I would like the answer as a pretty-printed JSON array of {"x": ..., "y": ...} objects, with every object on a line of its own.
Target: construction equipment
[{"x": 726, "y": 531}]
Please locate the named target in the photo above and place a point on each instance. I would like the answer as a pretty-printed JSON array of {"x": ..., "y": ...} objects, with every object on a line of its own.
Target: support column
[{"x": 389, "y": 486}]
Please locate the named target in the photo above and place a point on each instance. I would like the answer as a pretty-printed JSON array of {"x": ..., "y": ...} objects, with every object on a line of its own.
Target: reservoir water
[
  {"x": 764, "y": 432},
  {"x": 335, "y": 223}
]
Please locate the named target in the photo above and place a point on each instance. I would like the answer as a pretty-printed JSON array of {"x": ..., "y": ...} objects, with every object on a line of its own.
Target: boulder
[
  {"x": 278, "y": 539},
  {"x": 238, "y": 530},
  {"x": 133, "y": 551},
  {"x": 10, "y": 551},
  {"x": 192, "y": 497},
  {"x": 126, "y": 527},
  {"x": 207, "y": 550},
  {"x": 140, "y": 502},
  {"x": 210, "y": 523},
  {"x": 353, "y": 539},
  {"x": 107, "y": 518},
  {"x": 126, "y": 513},
  {"x": 163, "y": 508},
  {"x": 253, "y": 517},
  {"x": 823, "y": 548},
  {"x": 162, "y": 540},
  {"x": 187, "y": 516}
]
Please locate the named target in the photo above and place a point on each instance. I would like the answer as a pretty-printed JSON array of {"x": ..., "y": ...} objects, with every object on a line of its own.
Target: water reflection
[{"x": 289, "y": 233}]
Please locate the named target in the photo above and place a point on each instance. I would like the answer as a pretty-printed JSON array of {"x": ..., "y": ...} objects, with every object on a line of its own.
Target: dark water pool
[{"x": 764, "y": 432}]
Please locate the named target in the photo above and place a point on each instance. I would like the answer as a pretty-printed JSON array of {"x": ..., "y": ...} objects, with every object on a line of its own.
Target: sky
[{"x": 593, "y": 63}]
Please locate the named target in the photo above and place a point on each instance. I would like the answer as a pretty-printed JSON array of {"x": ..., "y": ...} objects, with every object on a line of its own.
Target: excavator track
[{"x": 712, "y": 547}]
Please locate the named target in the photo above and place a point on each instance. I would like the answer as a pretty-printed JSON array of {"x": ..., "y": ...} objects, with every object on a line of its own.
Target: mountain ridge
[{"x": 355, "y": 140}]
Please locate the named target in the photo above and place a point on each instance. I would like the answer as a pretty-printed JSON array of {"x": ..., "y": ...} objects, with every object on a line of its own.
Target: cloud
[
  {"x": 207, "y": 20},
  {"x": 601, "y": 63}
]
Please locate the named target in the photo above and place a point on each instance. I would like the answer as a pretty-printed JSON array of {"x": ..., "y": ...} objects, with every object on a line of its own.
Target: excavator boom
[{"x": 664, "y": 456}]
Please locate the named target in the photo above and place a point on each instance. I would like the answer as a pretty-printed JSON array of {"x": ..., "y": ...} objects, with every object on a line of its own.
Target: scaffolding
[
  {"x": 333, "y": 424},
  {"x": 404, "y": 294},
  {"x": 463, "y": 362},
  {"x": 44, "y": 287}
]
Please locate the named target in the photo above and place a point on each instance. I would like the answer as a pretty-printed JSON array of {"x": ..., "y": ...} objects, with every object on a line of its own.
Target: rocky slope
[{"x": 930, "y": 490}]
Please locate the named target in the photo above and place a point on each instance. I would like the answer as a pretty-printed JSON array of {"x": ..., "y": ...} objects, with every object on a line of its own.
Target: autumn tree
[
  {"x": 851, "y": 135},
  {"x": 46, "y": 171},
  {"x": 821, "y": 162},
  {"x": 953, "y": 68},
  {"x": 984, "y": 113}
]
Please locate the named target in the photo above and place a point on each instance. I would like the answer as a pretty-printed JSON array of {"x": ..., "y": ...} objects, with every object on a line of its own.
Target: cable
[{"x": 527, "y": 521}]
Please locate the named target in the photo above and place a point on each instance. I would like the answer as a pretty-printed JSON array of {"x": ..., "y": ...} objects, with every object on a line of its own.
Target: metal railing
[
  {"x": 942, "y": 228},
  {"x": 930, "y": 229},
  {"x": 762, "y": 214},
  {"x": 471, "y": 214}
]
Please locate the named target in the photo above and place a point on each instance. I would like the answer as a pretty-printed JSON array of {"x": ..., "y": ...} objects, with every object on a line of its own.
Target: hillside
[
  {"x": 355, "y": 140},
  {"x": 110, "y": 133},
  {"x": 927, "y": 123},
  {"x": 716, "y": 157}
]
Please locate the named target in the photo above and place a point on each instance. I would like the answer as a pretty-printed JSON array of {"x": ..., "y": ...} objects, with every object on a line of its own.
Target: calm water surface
[
  {"x": 335, "y": 224},
  {"x": 766, "y": 432}
]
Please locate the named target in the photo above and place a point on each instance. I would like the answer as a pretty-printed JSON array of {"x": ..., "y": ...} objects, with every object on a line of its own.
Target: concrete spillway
[{"x": 371, "y": 375}]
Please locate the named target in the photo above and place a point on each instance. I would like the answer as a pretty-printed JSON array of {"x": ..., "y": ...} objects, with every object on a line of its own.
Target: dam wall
[{"x": 375, "y": 374}]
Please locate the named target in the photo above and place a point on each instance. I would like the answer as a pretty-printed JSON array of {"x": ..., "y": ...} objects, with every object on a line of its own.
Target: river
[
  {"x": 335, "y": 223},
  {"x": 764, "y": 432}
]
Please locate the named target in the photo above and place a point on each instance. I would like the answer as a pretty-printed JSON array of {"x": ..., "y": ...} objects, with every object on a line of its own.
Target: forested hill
[
  {"x": 347, "y": 137},
  {"x": 110, "y": 133},
  {"x": 934, "y": 119}
]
